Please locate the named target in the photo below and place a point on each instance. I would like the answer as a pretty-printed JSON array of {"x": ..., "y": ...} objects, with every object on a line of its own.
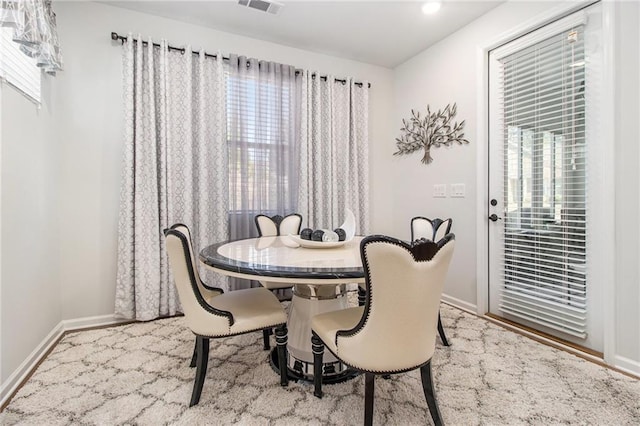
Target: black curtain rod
[{"x": 115, "y": 36}]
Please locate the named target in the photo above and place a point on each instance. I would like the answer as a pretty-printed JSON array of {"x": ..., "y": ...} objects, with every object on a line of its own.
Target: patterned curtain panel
[
  {"x": 263, "y": 133},
  {"x": 334, "y": 152},
  {"x": 35, "y": 30},
  {"x": 175, "y": 170}
]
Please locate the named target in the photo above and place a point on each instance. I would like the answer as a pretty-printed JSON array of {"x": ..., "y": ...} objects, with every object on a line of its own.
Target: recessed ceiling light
[{"x": 431, "y": 7}]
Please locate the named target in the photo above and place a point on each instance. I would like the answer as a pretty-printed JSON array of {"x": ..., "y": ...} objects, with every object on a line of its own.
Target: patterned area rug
[{"x": 139, "y": 374}]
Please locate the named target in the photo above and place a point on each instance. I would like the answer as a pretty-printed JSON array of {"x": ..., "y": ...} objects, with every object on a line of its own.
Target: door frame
[{"x": 605, "y": 211}]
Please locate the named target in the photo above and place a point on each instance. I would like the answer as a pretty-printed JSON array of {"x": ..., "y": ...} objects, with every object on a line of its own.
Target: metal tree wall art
[{"x": 431, "y": 131}]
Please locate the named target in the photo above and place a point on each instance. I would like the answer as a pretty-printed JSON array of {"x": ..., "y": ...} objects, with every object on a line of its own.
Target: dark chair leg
[
  {"x": 281, "y": 342},
  {"x": 369, "y": 387},
  {"x": 362, "y": 296},
  {"x": 265, "y": 339},
  {"x": 317, "y": 347},
  {"x": 430, "y": 394},
  {"x": 194, "y": 357},
  {"x": 443, "y": 337},
  {"x": 201, "y": 371}
]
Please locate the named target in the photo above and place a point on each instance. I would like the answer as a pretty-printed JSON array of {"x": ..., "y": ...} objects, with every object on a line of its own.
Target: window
[
  {"x": 18, "y": 69},
  {"x": 261, "y": 152},
  {"x": 542, "y": 183},
  {"x": 539, "y": 83}
]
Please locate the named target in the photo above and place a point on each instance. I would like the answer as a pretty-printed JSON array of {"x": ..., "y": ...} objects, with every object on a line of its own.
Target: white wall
[
  {"x": 30, "y": 279},
  {"x": 627, "y": 178},
  {"x": 448, "y": 72},
  {"x": 90, "y": 130}
]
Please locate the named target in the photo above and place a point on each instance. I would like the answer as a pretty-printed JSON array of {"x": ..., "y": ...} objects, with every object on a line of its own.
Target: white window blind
[
  {"x": 542, "y": 103},
  {"x": 18, "y": 69},
  {"x": 260, "y": 137}
]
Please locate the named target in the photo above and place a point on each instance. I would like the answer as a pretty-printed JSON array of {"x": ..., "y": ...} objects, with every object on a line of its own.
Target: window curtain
[
  {"x": 262, "y": 134},
  {"x": 334, "y": 152},
  {"x": 35, "y": 30},
  {"x": 175, "y": 170}
]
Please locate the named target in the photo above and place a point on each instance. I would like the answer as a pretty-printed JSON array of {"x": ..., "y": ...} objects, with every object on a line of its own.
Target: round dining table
[{"x": 318, "y": 276}]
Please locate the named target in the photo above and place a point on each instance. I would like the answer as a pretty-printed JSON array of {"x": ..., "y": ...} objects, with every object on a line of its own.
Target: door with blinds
[{"x": 543, "y": 112}]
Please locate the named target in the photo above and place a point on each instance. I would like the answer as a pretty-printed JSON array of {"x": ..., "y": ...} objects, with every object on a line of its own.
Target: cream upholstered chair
[
  {"x": 434, "y": 230},
  {"x": 431, "y": 229},
  {"x": 271, "y": 227},
  {"x": 395, "y": 331},
  {"x": 207, "y": 291},
  {"x": 278, "y": 225},
  {"x": 220, "y": 315}
]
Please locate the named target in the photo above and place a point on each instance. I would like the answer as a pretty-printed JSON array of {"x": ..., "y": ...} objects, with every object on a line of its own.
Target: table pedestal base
[
  {"x": 297, "y": 375},
  {"x": 309, "y": 300}
]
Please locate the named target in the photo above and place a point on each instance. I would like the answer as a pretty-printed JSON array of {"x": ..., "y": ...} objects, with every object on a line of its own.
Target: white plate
[
  {"x": 349, "y": 227},
  {"x": 316, "y": 244}
]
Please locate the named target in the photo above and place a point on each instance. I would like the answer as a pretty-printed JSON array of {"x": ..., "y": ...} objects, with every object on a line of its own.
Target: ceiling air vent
[{"x": 262, "y": 5}]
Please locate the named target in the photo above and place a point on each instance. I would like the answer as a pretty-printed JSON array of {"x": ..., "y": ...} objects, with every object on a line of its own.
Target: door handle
[{"x": 494, "y": 218}]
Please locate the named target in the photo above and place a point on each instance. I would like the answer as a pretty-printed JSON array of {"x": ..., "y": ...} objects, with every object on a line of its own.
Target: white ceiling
[{"x": 385, "y": 33}]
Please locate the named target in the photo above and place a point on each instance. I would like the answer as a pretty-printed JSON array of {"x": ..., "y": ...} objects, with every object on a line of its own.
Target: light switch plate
[
  {"x": 440, "y": 190},
  {"x": 458, "y": 190}
]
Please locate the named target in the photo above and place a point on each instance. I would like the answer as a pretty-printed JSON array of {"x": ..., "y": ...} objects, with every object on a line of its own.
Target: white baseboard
[
  {"x": 11, "y": 384},
  {"x": 22, "y": 372},
  {"x": 627, "y": 365},
  {"x": 460, "y": 304},
  {"x": 80, "y": 323}
]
